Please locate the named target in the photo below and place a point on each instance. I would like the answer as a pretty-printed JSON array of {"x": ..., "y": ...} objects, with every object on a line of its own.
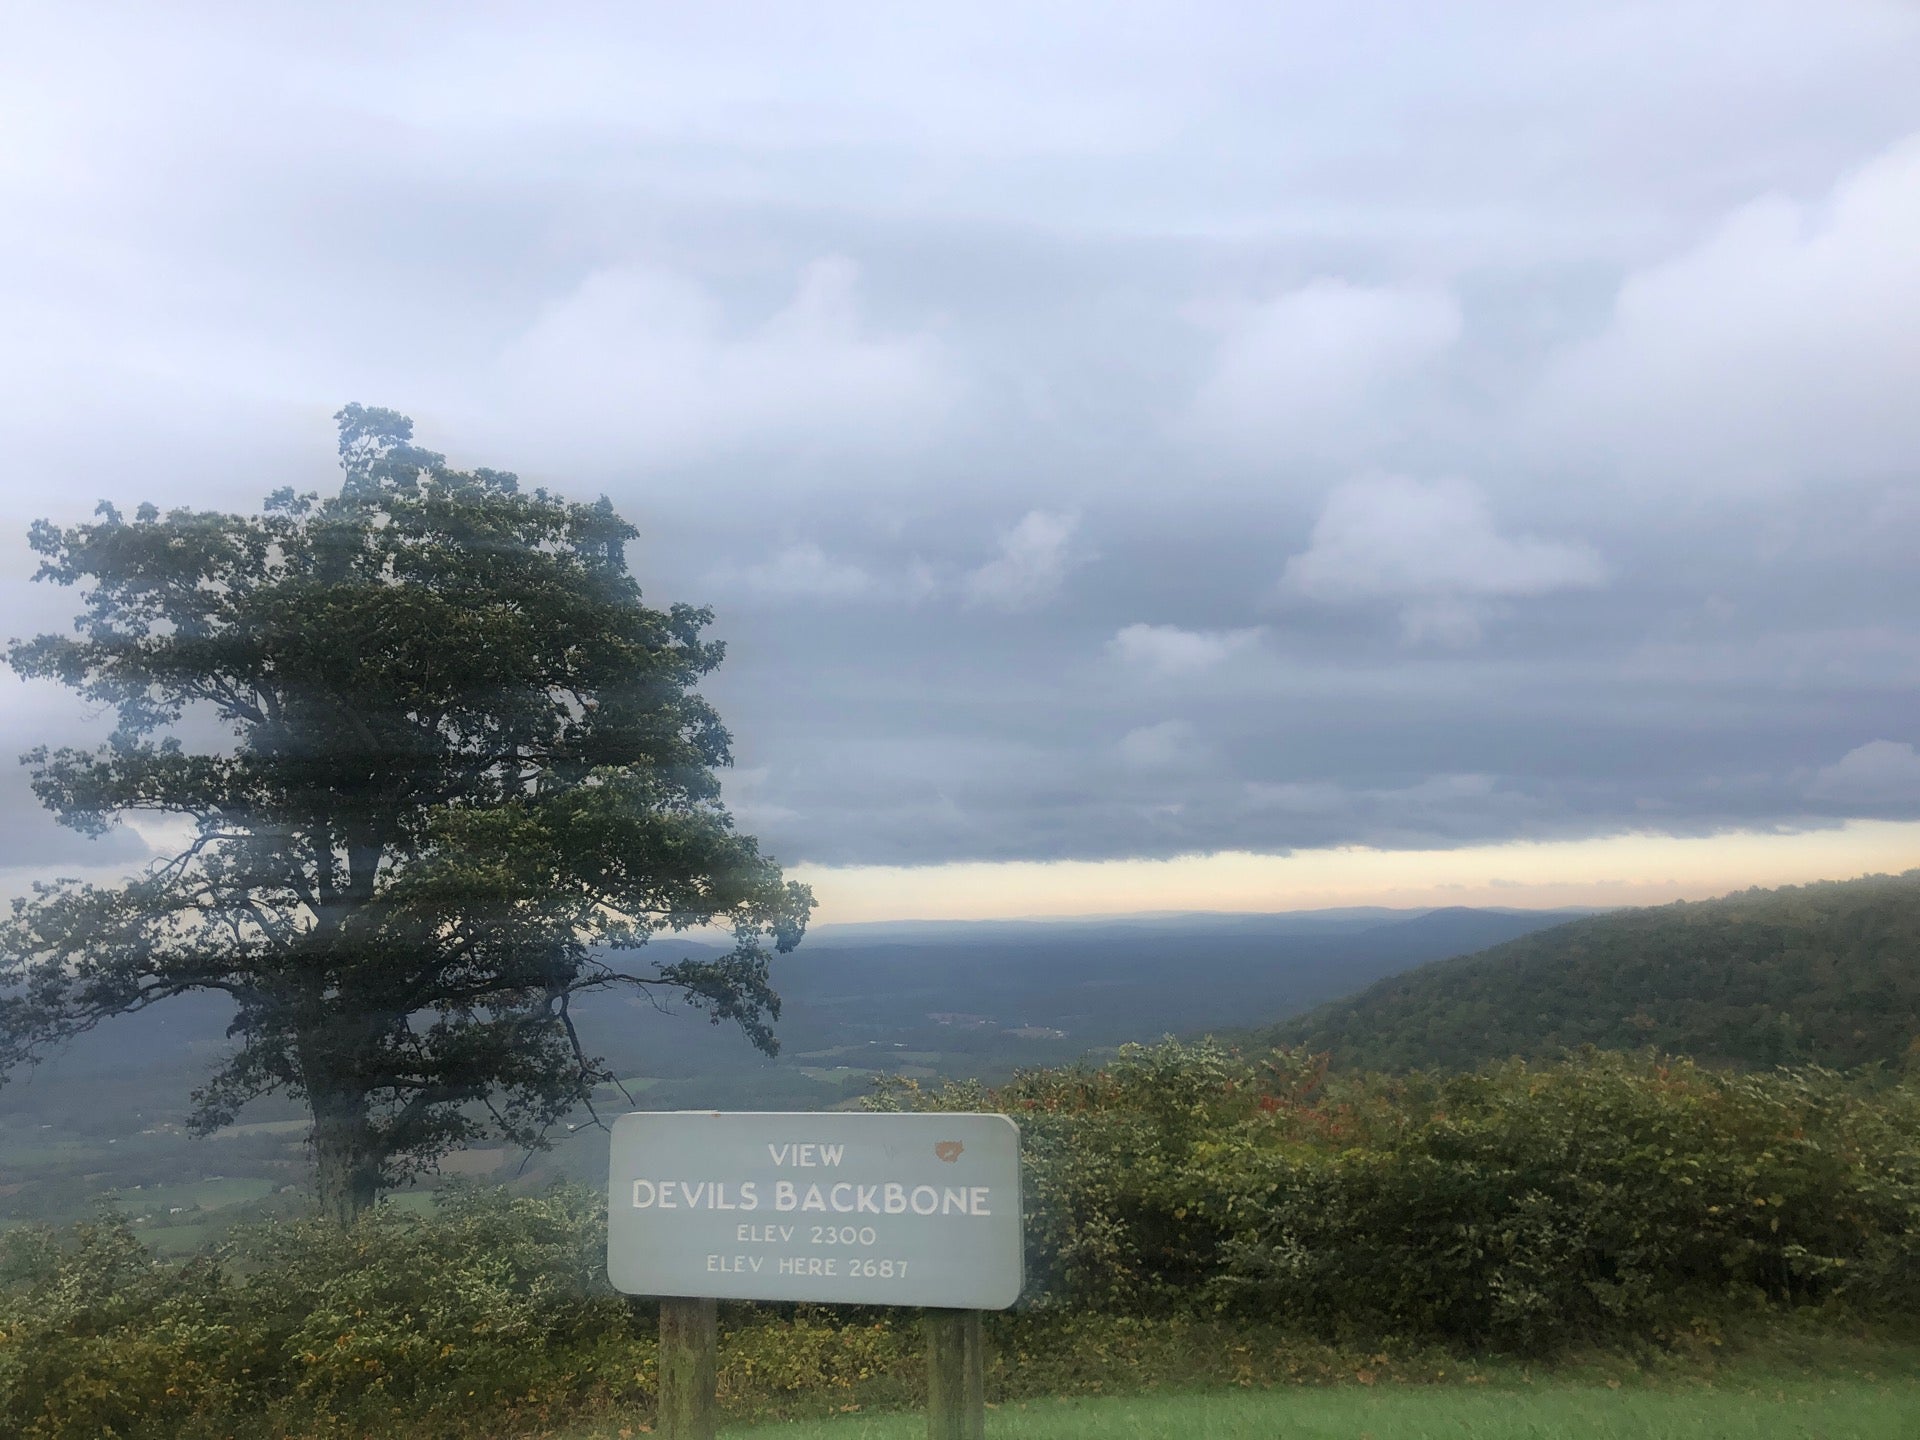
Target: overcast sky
[{"x": 1106, "y": 433}]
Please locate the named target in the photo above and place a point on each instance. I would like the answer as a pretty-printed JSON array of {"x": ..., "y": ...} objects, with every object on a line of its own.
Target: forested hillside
[{"x": 1826, "y": 974}]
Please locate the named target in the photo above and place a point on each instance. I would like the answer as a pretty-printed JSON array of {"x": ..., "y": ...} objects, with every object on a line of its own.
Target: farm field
[{"x": 1797, "y": 1410}]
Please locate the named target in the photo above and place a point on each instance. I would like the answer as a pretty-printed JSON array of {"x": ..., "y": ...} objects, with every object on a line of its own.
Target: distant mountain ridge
[
  {"x": 1826, "y": 973},
  {"x": 1097, "y": 981},
  {"x": 1110, "y": 980},
  {"x": 940, "y": 1001},
  {"x": 896, "y": 932}
]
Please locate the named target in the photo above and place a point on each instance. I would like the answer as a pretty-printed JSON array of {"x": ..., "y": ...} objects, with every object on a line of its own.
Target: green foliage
[
  {"x": 479, "y": 1298},
  {"x": 1814, "y": 974},
  {"x": 1104, "y": 1150},
  {"x": 465, "y": 759},
  {"x": 1521, "y": 1207},
  {"x": 492, "y": 1306},
  {"x": 817, "y": 1357},
  {"x": 1193, "y": 1214}
]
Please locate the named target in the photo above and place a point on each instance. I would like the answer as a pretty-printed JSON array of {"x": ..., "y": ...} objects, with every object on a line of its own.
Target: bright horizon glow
[{"x": 1617, "y": 870}]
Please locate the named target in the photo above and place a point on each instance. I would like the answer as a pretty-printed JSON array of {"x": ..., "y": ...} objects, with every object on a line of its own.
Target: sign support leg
[
  {"x": 956, "y": 1376},
  {"x": 689, "y": 1369}
]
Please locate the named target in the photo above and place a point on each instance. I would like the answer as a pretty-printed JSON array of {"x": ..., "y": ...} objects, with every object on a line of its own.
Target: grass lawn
[
  {"x": 415, "y": 1202},
  {"x": 213, "y": 1193},
  {"x": 22, "y": 1156},
  {"x": 177, "y": 1242},
  {"x": 1798, "y": 1410},
  {"x": 261, "y": 1127},
  {"x": 634, "y": 1084}
]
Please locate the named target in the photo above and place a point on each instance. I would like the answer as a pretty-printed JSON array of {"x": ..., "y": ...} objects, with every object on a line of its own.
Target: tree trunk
[{"x": 346, "y": 1163}]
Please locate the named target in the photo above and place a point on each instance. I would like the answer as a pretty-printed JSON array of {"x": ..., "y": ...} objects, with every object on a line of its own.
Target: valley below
[{"x": 106, "y": 1121}]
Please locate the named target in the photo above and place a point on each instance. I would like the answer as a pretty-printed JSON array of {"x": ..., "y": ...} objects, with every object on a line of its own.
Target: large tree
[{"x": 466, "y": 763}]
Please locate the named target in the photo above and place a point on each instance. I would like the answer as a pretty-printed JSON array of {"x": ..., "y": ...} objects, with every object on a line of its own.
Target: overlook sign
[{"x": 856, "y": 1209}]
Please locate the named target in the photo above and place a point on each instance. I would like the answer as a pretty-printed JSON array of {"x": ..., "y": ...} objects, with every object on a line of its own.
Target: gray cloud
[
  {"x": 1313, "y": 372},
  {"x": 1167, "y": 745},
  {"x": 1880, "y": 772},
  {"x": 1227, "y": 428},
  {"x": 801, "y": 571},
  {"x": 1781, "y": 349},
  {"x": 1430, "y": 547},
  {"x": 1169, "y": 650},
  {"x": 642, "y": 359},
  {"x": 1035, "y": 556}
]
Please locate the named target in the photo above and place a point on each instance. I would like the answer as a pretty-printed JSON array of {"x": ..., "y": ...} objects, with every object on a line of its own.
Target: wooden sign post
[
  {"x": 688, "y": 1401},
  {"x": 855, "y": 1209},
  {"x": 956, "y": 1376}
]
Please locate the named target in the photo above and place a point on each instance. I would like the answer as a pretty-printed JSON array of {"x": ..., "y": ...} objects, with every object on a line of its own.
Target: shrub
[
  {"x": 99, "y": 1338},
  {"x": 1520, "y": 1206},
  {"x": 490, "y": 1305},
  {"x": 1176, "y": 1195}
]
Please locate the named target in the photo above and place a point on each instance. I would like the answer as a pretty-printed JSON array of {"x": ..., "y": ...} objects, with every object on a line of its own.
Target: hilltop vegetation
[
  {"x": 1193, "y": 1216},
  {"x": 1825, "y": 974}
]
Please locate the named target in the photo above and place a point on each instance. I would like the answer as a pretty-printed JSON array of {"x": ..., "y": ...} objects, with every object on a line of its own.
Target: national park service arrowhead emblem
[{"x": 948, "y": 1150}]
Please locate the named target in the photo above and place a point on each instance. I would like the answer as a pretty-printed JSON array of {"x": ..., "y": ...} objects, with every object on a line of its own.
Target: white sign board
[{"x": 854, "y": 1209}]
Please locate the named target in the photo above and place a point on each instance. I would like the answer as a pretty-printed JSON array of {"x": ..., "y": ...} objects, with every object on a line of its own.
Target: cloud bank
[{"x": 1234, "y": 429}]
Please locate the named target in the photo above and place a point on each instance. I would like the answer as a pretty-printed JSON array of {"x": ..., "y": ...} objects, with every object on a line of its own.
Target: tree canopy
[{"x": 436, "y": 759}]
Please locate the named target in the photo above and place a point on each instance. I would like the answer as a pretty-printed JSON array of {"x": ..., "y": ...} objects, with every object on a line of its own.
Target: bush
[
  {"x": 1184, "y": 1203},
  {"x": 491, "y": 1305},
  {"x": 1525, "y": 1207},
  {"x": 98, "y": 1338}
]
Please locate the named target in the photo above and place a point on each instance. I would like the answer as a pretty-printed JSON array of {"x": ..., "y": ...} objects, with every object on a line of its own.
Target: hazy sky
[{"x": 1108, "y": 433}]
